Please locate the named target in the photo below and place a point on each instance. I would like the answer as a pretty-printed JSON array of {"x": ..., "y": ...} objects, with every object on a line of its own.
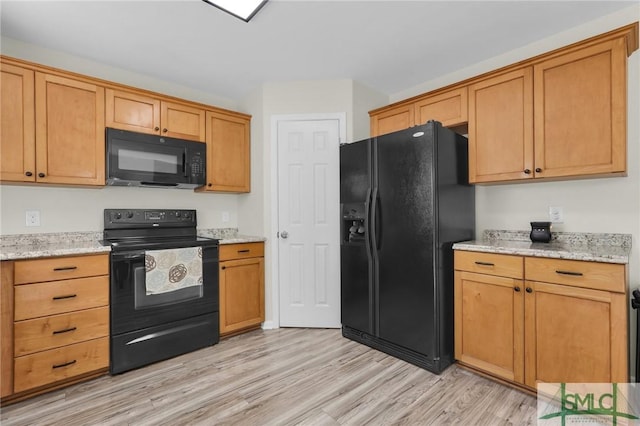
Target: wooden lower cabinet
[
  {"x": 528, "y": 331},
  {"x": 55, "y": 323},
  {"x": 489, "y": 332},
  {"x": 241, "y": 287},
  {"x": 6, "y": 329},
  {"x": 43, "y": 368}
]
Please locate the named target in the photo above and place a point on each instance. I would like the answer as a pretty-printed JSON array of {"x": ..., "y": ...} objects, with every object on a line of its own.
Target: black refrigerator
[{"x": 404, "y": 199}]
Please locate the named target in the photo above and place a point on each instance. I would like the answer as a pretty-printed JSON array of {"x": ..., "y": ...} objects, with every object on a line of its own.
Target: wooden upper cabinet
[
  {"x": 501, "y": 127},
  {"x": 182, "y": 121},
  {"x": 580, "y": 112},
  {"x": 133, "y": 112},
  {"x": 17, "y": 124},
  {"x": 228, "y": 152},
  {"x": 449, "y": 108},
  {"x": 392, "y": 120},
  {"x": 69, "y": 131},
  {"x": 138, "y": 112}
]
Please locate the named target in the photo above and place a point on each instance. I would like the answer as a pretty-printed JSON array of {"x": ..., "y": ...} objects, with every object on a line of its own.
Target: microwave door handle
[{"x": 184, "y": 163}]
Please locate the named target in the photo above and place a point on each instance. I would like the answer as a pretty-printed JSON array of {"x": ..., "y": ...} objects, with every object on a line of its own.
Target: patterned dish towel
[{"x": 172, "y": 269}]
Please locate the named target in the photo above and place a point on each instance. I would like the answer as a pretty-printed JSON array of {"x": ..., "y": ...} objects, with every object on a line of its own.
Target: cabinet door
[
  {"x": 6, "y": 328},
  {"x": 501, "y": 127},
  {"x": 17, "y": 125},
  {"x": 69, "y": 131},
  {"x": 228, "y": 153},
  {"x": 392, "y": 120},
  {"x": 574, "y": 335},
  {"x": 132, "y": 111},
  {"x": 182, "y": 121},
  {"x": 449, "y": 108},
  {"x": 489, "y": 324},
  {"x": 241, "y": 294},
  {"x": 580, "y": 112}
]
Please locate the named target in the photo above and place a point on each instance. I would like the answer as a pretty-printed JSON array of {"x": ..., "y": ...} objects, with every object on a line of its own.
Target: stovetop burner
[{"x": 140, "y": 228}]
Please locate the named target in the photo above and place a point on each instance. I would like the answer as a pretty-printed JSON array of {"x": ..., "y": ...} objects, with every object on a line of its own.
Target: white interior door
[{"x": 308, "y": 222}]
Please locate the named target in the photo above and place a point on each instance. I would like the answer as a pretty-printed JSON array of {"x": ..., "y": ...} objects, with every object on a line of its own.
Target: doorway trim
[{"x": 273, "y": 231}]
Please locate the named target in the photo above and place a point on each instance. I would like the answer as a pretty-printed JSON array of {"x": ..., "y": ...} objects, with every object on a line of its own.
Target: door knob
[{"x": 284, "y": 235}]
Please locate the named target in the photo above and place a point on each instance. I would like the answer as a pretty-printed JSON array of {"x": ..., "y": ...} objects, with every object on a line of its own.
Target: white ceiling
[{"x": 387, "y": 45}]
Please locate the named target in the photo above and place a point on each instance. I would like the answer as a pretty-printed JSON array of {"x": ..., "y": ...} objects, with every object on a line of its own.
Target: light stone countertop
[
  {"x": 238, "y": 239},
  {"x": 229, "y": 236},
  {"x": 607, "y": 248},
  {"x": 32, "y": 246}
]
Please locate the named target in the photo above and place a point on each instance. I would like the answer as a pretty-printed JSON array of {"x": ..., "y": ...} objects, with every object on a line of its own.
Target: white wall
[
  {"x": 80, "y": 209},
  {"x": 364, "y": 100}
]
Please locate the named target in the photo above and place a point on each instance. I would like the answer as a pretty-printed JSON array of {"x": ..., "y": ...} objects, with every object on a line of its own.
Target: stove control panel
[{"x": 114, "y": 218}]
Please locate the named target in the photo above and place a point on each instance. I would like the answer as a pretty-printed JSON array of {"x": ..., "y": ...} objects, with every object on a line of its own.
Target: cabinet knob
[
  {"x": 156, "y": 128},
  {"x": 164, "y": 130},
  {"x": 41, "y": 175},
  {"x": 538, "y": 170},
  {"x": 529, "y": 290},
  {"x": 28, "y": 174},
  {"x": 517, "y": 289},
  {"x": 209, "y": 185},
  {"x": 223, "y": 267},
  {"x": 527, "y": 171}
]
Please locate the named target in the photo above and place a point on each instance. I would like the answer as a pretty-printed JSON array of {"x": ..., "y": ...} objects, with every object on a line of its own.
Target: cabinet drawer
[
  {"x": 42, "y": 299},
  {"x": 60, "y": 268},
  {"x": 241, "y": 251},
  {"x": 598, "y": 276},
  {"x": 60, "y": 330},
  {"x": 489, "y": 263},
  {"x": 50, "y": 366}
]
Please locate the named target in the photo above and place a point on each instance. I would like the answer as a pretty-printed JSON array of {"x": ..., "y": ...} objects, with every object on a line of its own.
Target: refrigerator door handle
[
  {"x": 375, "y": 221},
  {"x": 367, "y": 221}
]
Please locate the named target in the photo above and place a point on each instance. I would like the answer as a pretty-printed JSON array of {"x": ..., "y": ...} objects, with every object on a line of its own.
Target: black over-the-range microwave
[{"x": 139, "y": 159}]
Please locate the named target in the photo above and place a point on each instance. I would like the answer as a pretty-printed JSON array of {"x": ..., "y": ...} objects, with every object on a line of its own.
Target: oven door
[{"x": 133, "y": 309}]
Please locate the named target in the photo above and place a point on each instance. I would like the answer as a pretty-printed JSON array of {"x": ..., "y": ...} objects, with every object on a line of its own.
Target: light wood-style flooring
[{"x": 280, "y": 377}]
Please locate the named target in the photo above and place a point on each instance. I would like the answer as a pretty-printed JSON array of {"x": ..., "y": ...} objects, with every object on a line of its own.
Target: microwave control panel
[{"x": 197, "y": 165}]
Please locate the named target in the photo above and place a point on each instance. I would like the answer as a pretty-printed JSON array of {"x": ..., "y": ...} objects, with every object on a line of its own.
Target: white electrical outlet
[
  {"x": 33, "y": 217},
  {"x": 225, "y": 216},
  {"x": 556, "y": 214}
]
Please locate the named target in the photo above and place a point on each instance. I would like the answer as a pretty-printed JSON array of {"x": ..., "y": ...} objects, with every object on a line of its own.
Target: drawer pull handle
[
  {"x": 244, "y": 251},
  {"x": 485, "y": 263},
  {"x": 67, "y": 296},
  {"x": 66, "y": 364},
  {"x": 66, "y": 330},
  {"x": 65, "y": 268},
  {"x": 575, "y": 274}
]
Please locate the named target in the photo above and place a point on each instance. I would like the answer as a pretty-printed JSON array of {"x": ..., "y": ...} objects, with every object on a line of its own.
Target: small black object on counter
[{"x": 540, "y": 232}]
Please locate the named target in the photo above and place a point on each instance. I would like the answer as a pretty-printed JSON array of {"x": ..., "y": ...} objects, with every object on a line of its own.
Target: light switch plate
[{"x": 556, "y": 214}]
